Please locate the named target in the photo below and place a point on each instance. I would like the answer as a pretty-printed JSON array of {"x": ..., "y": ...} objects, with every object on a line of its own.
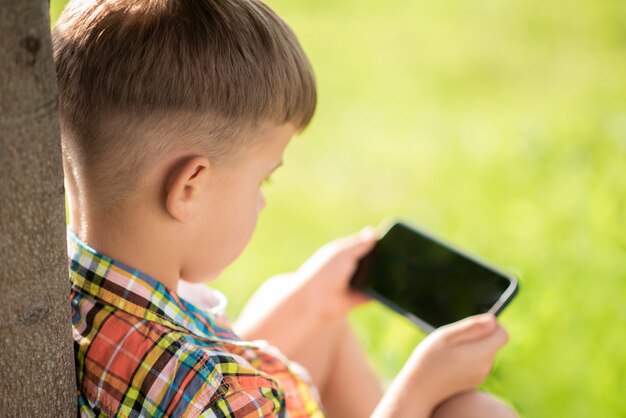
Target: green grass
[{"x": 501, "y": 126}]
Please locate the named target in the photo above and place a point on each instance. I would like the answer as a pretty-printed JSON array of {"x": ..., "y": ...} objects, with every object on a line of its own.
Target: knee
[{"x": 473, "y": 405}]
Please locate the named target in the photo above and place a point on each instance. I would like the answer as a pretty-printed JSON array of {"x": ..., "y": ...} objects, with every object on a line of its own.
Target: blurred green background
[{"x": 501, "y": 126}]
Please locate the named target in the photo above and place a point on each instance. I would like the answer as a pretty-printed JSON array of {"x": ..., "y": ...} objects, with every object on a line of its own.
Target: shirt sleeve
[{"x": 261, "y": 402}]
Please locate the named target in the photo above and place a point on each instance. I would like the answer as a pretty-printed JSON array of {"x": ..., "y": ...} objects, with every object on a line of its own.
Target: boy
[{"x": 173, "y": 112}]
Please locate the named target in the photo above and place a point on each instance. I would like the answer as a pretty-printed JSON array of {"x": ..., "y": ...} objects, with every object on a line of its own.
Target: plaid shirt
[{"x": 143, "y": 351}]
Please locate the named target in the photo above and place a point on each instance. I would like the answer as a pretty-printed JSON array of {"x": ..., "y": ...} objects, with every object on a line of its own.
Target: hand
[
  {"x": 453, "y": 359},
  {"x": 324, "y": 278},
  {"x": 289, "y": 307},
  {"x": 458, "y": 357}
]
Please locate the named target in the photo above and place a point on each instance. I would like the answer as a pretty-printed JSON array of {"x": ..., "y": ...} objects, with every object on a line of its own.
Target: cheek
[
  {"x": 224, "y": 234},
  {"x": 239, "y": 223},
  {"x": 261, "y": 202}
]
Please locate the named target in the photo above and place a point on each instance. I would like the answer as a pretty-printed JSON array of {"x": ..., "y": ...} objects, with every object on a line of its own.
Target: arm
[
  {"x": 453, "y": 359},
  {"x": 290, "y": 307}
]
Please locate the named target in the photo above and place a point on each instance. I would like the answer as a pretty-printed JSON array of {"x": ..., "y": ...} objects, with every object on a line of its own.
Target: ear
[{"x": 183, "y": 186}]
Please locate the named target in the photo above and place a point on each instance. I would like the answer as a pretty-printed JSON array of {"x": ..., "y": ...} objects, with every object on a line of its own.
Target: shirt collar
[{"x": 128, "y": 289}]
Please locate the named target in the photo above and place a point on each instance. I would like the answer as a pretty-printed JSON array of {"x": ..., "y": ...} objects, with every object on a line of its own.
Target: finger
[
  {"x": 490, "y": 345},
  {"x": 357, "y": 298},
  {"x": 496, "y": 340},
  {"x": 470, "y": 329},
  {"x": 357, "y": 244},
  {"x": 347, "y": 250}
]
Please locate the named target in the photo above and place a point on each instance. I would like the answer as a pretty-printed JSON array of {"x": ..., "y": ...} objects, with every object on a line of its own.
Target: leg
[
  {"x": 473, "y": 405},
  {"x": 340, "y": 371}
]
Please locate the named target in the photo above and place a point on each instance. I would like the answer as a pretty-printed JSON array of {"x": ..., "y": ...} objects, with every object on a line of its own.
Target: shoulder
[{"x": 130, "y": 366}]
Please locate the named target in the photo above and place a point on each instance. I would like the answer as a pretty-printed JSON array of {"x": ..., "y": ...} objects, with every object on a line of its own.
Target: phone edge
[{"x": 502, "y": 302}]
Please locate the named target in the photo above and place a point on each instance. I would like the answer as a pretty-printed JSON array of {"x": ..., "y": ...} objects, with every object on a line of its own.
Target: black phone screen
[{"x": 416, "y": 274}]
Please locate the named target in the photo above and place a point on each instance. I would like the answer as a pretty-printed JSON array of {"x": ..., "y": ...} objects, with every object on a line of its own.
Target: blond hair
[{"x": 200, "y": 70}]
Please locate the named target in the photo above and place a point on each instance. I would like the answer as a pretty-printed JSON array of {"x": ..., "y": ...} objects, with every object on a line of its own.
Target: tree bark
[{"x": 37, "y": 376}]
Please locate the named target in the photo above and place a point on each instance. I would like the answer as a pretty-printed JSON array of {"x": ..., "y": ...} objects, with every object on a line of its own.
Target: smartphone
[{"x": 429, "y": 282}]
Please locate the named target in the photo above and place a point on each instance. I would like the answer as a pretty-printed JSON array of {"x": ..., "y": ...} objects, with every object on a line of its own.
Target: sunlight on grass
[{"x": 501, "y": 126}]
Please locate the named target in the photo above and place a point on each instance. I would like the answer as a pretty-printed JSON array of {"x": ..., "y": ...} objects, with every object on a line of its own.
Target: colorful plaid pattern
[{"x": 142, "y": 351}]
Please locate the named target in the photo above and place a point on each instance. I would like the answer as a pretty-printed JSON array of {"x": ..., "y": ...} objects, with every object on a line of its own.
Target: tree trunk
[{"x": 37, "y": 376}]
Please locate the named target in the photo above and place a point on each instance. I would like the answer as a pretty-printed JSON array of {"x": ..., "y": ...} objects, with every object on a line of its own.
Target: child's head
[{"x": 171, "y": 110}]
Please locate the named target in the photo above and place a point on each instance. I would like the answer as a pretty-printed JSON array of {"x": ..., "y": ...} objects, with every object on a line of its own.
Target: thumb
[
  {"x": 494, "y": 341},
  {"x": 470, "y": 329}
]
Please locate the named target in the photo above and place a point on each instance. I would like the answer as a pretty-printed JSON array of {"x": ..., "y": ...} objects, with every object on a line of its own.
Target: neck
[{"x": 130, "y": 238}]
